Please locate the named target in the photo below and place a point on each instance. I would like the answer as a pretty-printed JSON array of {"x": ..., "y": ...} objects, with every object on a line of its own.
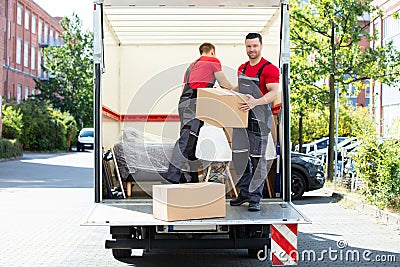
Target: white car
[
  {"x": 316, "y": 145},
  {"x": 322, "y": 153},
  {"x": 85, "y": 139}
]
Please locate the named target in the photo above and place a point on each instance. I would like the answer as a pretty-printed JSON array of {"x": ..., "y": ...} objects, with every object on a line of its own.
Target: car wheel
[
  {"x": 298, "y": 185},
  {"x": 121, "y": 253}
]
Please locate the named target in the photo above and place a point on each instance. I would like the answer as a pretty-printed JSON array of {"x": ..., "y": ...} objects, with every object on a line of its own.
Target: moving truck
[{"x": 141, "y": 51}]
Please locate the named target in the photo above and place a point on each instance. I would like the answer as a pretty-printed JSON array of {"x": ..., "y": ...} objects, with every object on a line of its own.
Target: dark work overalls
[
  {"x": 249, "y": 144},
  {"x": 184, "y": 165}
]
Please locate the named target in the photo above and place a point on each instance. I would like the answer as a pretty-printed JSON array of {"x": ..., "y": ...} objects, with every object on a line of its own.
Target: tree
[
  {"x": 331, "y": 32},
  {"x": 70, "y": 68}
]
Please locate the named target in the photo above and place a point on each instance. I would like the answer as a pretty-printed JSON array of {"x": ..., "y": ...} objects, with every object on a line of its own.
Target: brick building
[
  {"x": 385, "y": 98},
  {"x": 27, "y": 28}
]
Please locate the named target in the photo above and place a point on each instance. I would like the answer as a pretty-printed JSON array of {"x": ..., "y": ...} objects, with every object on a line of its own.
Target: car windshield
[{"x": 87, "y": 134}]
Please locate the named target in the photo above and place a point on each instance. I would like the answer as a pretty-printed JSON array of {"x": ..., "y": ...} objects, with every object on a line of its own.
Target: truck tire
[
  {"x": 121, "y": 253},
  {"x": 298, "y": 185},
  {"x": 252, "y": 252}
]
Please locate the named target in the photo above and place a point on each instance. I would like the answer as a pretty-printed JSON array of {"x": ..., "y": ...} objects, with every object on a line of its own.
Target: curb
[{"x": 383, "y": 216}]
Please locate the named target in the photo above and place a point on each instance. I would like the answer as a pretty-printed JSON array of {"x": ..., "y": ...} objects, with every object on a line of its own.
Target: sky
[{"x": 61, "y": 8}]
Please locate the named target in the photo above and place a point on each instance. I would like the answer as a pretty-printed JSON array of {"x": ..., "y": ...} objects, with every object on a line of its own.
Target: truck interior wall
[
  {"x": 110, "y": 132},
  {"x": 111, "y": 79},
  {"x": 147, "y": 79},
  {"x": 169, "y": 130}
]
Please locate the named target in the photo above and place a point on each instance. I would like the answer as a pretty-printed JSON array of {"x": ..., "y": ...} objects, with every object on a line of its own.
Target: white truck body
[{"x": 141, "y": 51}]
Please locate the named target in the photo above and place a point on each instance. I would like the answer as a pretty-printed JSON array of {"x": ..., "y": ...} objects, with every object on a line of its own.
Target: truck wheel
[
  {"x": 121, "y": 253},
  {"x": 298, "y": 185},
  {"x": 253, "y": 253}
]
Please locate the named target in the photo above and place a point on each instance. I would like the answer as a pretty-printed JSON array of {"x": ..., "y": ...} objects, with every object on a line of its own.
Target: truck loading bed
[{"x": 140, "y": 213}]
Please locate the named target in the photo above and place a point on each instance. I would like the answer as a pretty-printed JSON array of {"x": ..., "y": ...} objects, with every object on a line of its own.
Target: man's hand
[{"x": 250, "y": 103}]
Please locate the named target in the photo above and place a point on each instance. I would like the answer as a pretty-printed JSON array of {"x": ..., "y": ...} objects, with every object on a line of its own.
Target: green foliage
[
  {"x": 12, "y": 122},
  {"x": 10, "y": 149},
  {"x": 378, "y": 164},
  {"x": 44, "y": 128},
  {"x": 316, "y": 121},
  {"x": 70, "y": 67},
  {"x": 326, "y": 38}
]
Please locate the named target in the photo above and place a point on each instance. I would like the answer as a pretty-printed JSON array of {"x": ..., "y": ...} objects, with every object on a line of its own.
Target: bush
[
  {"x": 12, "y": 122},
  {"x": 44, "y": 129},
  {"x": 10, "y": 149},
  {"x": 378, "y": 163}
]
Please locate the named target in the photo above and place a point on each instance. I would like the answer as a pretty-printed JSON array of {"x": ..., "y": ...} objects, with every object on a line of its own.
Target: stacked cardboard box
[
  {"x": 175, "y": 202},
  {"x": 219, "y": 107}
]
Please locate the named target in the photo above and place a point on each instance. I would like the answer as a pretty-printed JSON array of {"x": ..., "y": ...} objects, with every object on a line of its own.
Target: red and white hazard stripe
[{"x": 284, "y": 244}]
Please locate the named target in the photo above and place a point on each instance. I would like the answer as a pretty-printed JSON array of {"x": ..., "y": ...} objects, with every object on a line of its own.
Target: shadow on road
[
  {"x": 317, "y": 249},
  {"x": 315, "y": 200}
]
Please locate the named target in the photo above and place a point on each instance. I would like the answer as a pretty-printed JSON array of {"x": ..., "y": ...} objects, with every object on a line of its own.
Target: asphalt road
[
  {"x": 45, "y": 197},
  {"x": 45, "y": 170}
]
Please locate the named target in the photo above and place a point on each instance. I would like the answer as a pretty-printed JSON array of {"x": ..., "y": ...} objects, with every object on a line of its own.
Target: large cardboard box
[
  {"x": 219, "y": 107},
  {"x": 173, "y": 202}
]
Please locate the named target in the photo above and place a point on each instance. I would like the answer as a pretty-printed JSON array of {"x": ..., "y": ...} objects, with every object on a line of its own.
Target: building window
[
  {"x": 33, "y": 93},
  {"x": 19, "y": 92},
  {"x": 26, "y": 54},
  {"x": 34, "y": 19},
  {"x": 46, "y": 34},
  {"x": 19, "y": 15},
  {"x": 40, "y": 31},
  {"x": 391, "y": 27},
  {"x": 26, "y": 21},
  {"x": 9, "y": 30},
  {"x": 18, "y": 52},
  {"x": 26, "y": 92},
  {"x": 51, "y": 36},
  {"x": 39, "y": 62},
  {"x": 33, "y": 57}
]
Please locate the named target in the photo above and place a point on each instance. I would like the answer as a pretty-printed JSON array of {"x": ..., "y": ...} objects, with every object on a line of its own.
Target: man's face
[{"x": 253, "y": 48}]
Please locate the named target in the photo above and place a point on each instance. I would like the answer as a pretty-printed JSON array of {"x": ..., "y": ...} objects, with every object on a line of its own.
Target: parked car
[
  {"x": 85, "y": 139},
  {"x": 322, "y": 153},
  {"x": 316, "y": 145},
  {"x": 307, "y": 174}
]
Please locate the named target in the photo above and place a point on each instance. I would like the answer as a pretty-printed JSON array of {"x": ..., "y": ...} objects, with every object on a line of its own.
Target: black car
[{"x": 307, "y": 174}]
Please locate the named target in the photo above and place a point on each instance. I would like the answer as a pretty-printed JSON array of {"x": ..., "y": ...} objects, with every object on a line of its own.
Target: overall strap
[
  {"x": 259, "y": 71},
  {"x": 189, "y": 70}
]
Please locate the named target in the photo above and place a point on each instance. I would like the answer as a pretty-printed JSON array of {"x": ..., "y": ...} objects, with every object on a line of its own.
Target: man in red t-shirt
[
  {"x": 259, "y": 80},
  {"x": 202, "y": 73}
]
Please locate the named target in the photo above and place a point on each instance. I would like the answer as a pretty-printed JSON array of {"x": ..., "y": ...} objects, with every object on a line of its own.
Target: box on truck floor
[{"x": 175, "y": 202}]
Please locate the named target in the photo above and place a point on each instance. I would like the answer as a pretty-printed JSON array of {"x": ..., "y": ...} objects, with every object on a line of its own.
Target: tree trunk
[
  {"x": 300, "y": 131},
  {"x": 331, "y": 151},
  {"x": 331, "y": 107}
]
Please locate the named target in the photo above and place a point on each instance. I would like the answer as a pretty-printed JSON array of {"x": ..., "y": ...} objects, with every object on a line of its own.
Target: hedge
[{"x": 10, "y": 149}]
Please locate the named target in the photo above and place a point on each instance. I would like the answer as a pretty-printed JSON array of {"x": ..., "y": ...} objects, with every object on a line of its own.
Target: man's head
[
  {"x": 207, "y": 49},
  {"x": 253, "y": 44}
]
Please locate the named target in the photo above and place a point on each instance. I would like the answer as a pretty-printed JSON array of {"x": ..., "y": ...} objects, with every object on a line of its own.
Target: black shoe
[
  {"x": 254, "y": 206},
  {"x": 239, "y": 200}
]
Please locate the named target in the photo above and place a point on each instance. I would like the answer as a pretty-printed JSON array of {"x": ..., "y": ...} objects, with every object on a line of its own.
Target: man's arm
[
  {"x": 222, "y": 80},
  {"x": 270, "y": 97}
]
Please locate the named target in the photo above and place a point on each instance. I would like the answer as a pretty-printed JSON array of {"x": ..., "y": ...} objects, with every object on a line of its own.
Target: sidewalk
[{"x": 349, "y": 202}]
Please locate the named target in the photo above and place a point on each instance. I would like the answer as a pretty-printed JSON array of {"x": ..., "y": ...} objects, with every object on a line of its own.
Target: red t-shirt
[
  {"x": 270, "y": 74},
  {"x": 203, "y": 72}
]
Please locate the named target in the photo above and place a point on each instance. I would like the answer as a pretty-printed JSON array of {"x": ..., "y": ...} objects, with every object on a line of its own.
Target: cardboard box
[
  {"x": 173, "y": 202},
  {"x": 219, "y": 107},
  {"x": 229, "y": 134}
]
